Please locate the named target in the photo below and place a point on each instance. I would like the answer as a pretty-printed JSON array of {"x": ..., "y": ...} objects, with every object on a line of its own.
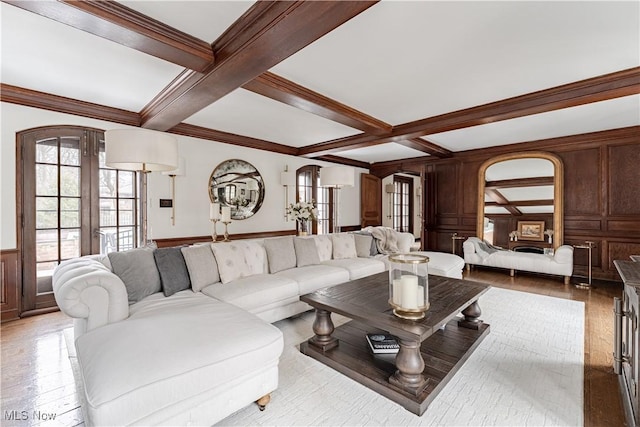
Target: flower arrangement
[
  {"x": 303, "y": 211},
  {"x": 549, "y": 232},
  {"x": 513, "y": 235}
]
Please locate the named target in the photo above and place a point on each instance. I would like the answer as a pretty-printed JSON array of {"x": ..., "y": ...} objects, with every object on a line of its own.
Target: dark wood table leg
[
  {"x": 323, "y": 328},
  {"x": 471, "y": 316},
  {"x": 410, "y": 366}
]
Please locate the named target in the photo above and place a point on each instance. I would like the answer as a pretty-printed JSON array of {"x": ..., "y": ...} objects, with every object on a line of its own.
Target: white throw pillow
[
  {"x": 344, "y": 246},
  {"x": 324, "y": 246},
  {"x": 238, "y": 259}
]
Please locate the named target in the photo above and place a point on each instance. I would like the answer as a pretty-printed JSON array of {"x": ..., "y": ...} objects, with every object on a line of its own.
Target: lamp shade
[
  {"x": 337, "y": 176},
  {"x": 140, "y": 150},
  {"x": 287, "y": 179},
  {"x": 181, "y": 170}
]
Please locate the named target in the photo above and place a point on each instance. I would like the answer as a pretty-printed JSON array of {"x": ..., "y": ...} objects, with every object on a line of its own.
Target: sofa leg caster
[
  {"x": 263, "y": 401},
  {"x": 566, "y": 279},
  {"x": 512, "y": 273}
]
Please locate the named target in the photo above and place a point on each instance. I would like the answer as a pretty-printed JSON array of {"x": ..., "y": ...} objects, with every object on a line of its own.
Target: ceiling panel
[
  {"x": 41, "y": 54},
  {"x": 535, "y": 209},
  {"x": 381, "y": 153},
  {"x": 611, "y": 114},
  {"x": 206, "y": 20},
  {"x": 245, "y": 113},
  {"x": 543, "y": 192},
  {"x": 519, "y": 168},
  {"x": 403, "y": 61},
  {"x": 495, "y": 210}
]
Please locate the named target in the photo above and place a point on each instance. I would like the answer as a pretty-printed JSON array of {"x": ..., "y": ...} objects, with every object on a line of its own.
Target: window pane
[
  {"x": 46, "y": 180},
  {"x": 45, "y": 269},
  {"x": 108, "y": 240},
  {"x": 46, "y": 212},
  {"x": 46, "y": 245},
  {"x": 126, "y": 183},
  {"x": 108, "y": 213},
  {"x": 70, "y": 151},
  {"x": 69, "y": 212},
  {"x": 47, "y": 151},
  {"x": 126, "y": 212},
  {"x": 126, "y": 239},
  {"x": 107, "y": 183},
  {"x": 70, "y": 243},
  {"x": 69, "y": 181}
]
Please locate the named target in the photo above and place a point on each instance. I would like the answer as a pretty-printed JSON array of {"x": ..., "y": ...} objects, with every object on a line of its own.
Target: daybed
[
  {"x": 478, "y": 252},
  {"x": 183, "y": 335}
]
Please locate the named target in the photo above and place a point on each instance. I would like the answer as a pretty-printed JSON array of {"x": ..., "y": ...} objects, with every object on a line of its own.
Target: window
[
  {"x": 71, "y": 204},
  {"x": 403, "y": 204},
  {"x": 308, "y": 188}
]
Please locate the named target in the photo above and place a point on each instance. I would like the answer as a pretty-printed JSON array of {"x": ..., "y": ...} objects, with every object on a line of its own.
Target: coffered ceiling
[{"x": 364, "y": 81}]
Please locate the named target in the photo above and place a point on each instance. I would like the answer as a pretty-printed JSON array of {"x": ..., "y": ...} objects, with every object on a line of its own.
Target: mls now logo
[{"x": 24, "y": 416}]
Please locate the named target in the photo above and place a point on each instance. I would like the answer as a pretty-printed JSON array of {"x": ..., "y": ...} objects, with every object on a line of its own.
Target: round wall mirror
[{"x": 239, "y": 185}]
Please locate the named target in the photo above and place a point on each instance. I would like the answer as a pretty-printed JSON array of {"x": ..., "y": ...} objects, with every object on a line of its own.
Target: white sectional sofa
[
  {"x": 182, "y": 336},
  {"x": 478, "y": 252}
]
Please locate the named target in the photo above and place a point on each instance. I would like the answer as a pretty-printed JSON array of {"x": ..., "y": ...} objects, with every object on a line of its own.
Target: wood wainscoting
[
  {"x": 601, "y": 195},
  {"x": 9, "y": 285}
]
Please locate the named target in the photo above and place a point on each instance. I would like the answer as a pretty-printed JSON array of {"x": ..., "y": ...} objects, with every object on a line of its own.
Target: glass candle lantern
[{"x": 409, "y": 285}]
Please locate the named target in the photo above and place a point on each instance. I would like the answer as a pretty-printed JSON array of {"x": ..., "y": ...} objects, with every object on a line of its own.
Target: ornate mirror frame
[
  {"x": 244, "y": 181},
  {"x": 558, "y": 190}
]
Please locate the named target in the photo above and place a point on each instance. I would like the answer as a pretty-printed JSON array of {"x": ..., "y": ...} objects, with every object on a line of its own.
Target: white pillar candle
[
  {"x": 397, "y": 291},
  {"x": 214, "y": 211},
  {"x": 226, "y": 214},
  {"x": 409, "y": 296},
  {"x": 420, "y": 296}
]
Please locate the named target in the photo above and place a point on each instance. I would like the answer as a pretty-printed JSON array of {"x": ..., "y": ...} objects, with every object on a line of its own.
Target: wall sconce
[
  {"x": 337, "y": 177},
  {"x": 390, "y": 190},
  {"x": 287, "y": 179},
  {"x": 180, "y": 171}
]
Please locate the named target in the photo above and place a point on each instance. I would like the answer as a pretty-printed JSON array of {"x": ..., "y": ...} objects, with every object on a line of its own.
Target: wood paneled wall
[
  {"x": 601, "y": 194},
  {"x": 9, "y": 295}
]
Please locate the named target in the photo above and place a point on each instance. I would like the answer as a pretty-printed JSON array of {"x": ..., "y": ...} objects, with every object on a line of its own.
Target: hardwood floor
[{"x": 37, "y": 379}]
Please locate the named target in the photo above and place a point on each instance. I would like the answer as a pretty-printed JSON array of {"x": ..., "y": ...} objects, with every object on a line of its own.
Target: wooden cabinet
[
  {"x": 627, "y": 339},
  {"x": 9, "y": 292}
]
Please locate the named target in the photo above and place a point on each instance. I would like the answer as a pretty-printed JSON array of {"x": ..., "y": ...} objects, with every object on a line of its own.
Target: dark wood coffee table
[{"x": 429, "y": 354}]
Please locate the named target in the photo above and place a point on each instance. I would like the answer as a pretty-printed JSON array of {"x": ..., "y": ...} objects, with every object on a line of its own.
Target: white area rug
[{"x": 527, "y": 372}]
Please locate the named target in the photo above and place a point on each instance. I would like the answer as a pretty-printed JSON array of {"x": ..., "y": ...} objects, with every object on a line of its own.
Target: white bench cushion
[{"x": 192, "y": 343}]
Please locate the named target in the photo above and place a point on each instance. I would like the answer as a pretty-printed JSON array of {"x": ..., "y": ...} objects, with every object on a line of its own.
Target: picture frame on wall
[{"x": 531, "y": 230}]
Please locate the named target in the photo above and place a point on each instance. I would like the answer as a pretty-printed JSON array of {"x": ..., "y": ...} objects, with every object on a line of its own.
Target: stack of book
[{"x": 383, "y": 343}]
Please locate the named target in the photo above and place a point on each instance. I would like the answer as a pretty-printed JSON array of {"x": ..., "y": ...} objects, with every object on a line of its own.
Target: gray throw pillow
[
  {"x": 202, "y": 266},
  {"x": 306, "y": 251},
  {"x": 374, "y": 247},
  {"x": 173, "y": 270},
  {"x": 137, "y": 269},
  {"x": 280, "y": 253},
  {"x": 363, "y": 245}
]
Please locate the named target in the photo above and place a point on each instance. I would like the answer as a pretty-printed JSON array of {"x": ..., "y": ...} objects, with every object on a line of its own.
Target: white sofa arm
[
  {"x": 564, "y": 254},
  {"x": 88, "y": 291}
]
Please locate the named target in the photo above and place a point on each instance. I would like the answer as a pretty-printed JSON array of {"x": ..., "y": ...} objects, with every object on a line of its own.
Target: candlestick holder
[
  {"x": 409, "y": 285},
  {"x": 226, "y": 232},
  {"x": 214, "y": 235}
]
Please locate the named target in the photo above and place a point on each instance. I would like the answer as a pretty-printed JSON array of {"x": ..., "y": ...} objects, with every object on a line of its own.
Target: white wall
[{"x": 192, "y": 197}]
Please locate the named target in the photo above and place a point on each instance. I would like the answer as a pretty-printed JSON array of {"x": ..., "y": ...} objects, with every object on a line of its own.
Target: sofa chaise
[
  {"x": 478, "y": 252},
  {"x": 183, "y": 336}
]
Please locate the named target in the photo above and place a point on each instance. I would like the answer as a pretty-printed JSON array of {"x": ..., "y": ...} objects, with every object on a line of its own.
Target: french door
[
  {"x": 69, "y": 204},
  {"x": 308, "y": 189}
]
